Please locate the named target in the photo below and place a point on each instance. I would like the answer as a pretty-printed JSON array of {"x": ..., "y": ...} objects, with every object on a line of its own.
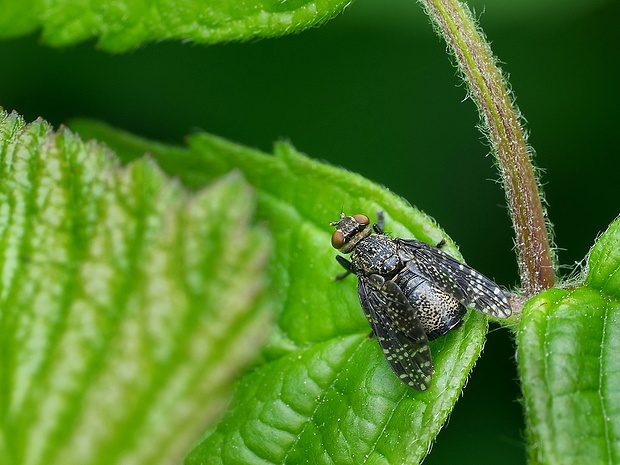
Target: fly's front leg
[{"x": 346, "y": 264}]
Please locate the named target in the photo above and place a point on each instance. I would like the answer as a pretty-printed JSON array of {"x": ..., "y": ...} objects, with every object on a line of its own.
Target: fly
[{"x": 411, "y": 293}]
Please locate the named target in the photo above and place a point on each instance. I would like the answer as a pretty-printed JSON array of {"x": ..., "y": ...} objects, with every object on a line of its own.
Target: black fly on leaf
[{"x": 411, "y": 293}]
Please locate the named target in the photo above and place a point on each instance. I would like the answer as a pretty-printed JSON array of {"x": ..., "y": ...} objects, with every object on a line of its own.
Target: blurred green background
[{"x": 374, "y": 91}]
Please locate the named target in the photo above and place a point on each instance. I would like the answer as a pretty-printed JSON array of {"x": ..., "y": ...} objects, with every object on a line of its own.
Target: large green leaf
[
  {"x": 569, "y": 354},
  {"x": 121, "y": 25},
  {"x": 127, "y": 305},
  {"x": 324, "y": 393}
]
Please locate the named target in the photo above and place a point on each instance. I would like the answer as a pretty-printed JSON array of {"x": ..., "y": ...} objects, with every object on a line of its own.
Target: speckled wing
[
  {"x": 398, "y": 330},
  {"x": 465, "y": 284}
]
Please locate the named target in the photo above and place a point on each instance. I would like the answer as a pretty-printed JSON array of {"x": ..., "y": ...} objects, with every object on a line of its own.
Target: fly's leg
[
  {"x": 346, "y": 264},
  {"x": 378, "y": 228}
]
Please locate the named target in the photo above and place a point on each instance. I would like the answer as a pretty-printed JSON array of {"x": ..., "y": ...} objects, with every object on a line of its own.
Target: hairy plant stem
[{"x": 502, "y": 127}]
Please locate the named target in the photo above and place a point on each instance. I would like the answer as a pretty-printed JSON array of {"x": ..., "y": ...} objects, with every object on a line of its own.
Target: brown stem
[{"x": 503, "y": 129}]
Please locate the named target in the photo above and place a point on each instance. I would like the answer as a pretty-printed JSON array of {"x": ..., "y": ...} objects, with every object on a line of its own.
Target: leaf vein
[
  {"x": 320, "y": 401},
  {"x": 601, "y": 385}
]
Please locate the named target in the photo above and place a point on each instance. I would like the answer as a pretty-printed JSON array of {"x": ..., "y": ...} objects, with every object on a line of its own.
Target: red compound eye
[
  {"x": 337, "y": 239},
  {"x": 361, "y": 219}
]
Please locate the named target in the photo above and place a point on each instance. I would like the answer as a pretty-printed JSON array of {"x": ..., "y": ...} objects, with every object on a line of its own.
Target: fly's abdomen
[{"x": 438, "y": 311}]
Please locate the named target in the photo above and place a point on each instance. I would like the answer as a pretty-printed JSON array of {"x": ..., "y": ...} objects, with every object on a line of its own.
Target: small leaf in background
[
  {"x": 569, "y": 356},
  {"x": 324, "y": 392},
  {"x": 127, "y": 305},
  {"x": 123, "y": 25}
]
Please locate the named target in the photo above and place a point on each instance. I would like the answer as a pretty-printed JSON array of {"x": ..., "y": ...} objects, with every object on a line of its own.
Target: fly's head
[{"x": 350, "y": 230}]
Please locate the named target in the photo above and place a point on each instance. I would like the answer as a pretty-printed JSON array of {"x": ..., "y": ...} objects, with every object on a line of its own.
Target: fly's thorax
[{"x": 376, "y": 254}]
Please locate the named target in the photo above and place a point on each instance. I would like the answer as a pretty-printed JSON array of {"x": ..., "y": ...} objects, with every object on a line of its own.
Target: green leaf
[
  {"x": 569, "y": 341},
  {"x": 324, "y": 389},
  {"x": 122, "y": 25},
  {"x": 127, "y": 305},
  {"x": 604, "y": 262}
]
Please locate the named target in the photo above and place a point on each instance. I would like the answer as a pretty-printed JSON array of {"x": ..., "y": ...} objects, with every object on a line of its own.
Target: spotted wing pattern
[
  {"x": 398, "y": 330},
  {"x": 464, "y": 283}
]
